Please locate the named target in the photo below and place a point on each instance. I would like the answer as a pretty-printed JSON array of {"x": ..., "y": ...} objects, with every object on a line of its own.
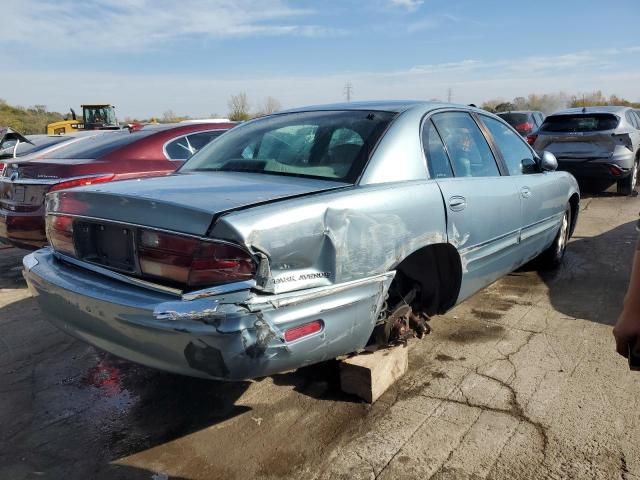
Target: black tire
[
  {"x": 627, "y": 186},
  {"x": 552, "y": 257}
]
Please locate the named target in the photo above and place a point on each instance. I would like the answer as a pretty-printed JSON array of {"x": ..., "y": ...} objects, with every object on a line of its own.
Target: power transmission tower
[
  {"x": 449, "y": 95},
  {"x": 348, "y": 91}
]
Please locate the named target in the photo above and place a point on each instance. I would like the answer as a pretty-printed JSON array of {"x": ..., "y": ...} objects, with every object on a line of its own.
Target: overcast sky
[{"x": 189, "y": 56}]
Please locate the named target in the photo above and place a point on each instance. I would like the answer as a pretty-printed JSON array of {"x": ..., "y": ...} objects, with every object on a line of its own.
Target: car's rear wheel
[
  {"x": 552, "y": 257},
  {"x": 627, "y": 186}
]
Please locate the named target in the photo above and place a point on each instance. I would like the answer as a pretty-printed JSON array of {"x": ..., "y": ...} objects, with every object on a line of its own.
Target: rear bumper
[
  {"x": 613, "y": 167},
  {"x": 231, "y": 336},
  {"x": 23, "y": 229}
]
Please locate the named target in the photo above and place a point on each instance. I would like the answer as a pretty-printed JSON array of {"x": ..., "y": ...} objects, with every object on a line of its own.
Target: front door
[{"x": 543, "y": 196}]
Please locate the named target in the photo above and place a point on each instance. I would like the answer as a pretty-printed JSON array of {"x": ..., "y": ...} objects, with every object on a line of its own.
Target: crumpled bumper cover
[{"x": 231, "y": 336}]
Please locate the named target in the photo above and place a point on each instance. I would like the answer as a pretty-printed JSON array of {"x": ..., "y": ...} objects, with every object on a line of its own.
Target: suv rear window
[
  {"x": 591, "y": 122},
  {"x": 514, "y": 119}
]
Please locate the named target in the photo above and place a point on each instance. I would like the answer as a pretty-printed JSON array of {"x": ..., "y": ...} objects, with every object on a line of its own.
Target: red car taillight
[
  {"x": 531, "y": 139},
  {"x": 191, "y": 261},
  {"x": 79, "y": 182},
  {"x": 524, "y": 127},
  {"x": 60, "y": 233},
  {"x": 614, "y": 170}
]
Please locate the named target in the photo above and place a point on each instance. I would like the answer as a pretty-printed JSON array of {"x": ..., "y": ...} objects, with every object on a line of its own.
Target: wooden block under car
[{"x": 368, "y": 375}]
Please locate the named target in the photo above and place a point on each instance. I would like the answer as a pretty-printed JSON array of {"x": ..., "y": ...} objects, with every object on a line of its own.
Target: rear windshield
[
  {"x": 514, "y": 119},
  {"x": 333, "y": 145},
  {"x": 591, "y": 122},
  {"x": 99, "y": 145}
]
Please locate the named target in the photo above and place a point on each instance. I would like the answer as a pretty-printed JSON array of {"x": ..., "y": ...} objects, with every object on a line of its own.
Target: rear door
[
  {"x": 542, "y": 196},
  {"x": 483, "y": 206}
]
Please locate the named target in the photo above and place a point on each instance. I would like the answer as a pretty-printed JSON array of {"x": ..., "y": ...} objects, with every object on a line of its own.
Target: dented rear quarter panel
[{"x": 340, "y": 236}]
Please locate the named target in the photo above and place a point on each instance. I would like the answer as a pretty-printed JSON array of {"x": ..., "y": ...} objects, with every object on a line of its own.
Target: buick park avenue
[{"x": 301, "y": 236}]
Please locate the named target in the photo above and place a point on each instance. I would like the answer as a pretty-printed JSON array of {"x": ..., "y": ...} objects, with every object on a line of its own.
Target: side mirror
[{"x": 548, "y": 162}]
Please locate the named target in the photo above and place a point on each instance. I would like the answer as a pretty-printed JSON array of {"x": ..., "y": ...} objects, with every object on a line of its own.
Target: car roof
[
  {"x": 596, "y": 109},
  {"x": 191, "y": 126},
  {"x": 395, "y": 106},
  {"x": 519, "y": 111}
]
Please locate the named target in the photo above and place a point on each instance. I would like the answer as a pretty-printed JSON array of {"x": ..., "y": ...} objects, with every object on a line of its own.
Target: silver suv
[{"x": 595, "y": 143}]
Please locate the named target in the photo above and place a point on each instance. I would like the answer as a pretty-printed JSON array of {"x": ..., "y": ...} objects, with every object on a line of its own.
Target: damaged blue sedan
[{"x": 301, "y": 236}]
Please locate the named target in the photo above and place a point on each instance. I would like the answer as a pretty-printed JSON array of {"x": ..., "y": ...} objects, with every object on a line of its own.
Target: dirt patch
[
  {"x": 473, "y": 335},
  {"x": 441, "y": 357},
  {"x": 486, "y": 315}
]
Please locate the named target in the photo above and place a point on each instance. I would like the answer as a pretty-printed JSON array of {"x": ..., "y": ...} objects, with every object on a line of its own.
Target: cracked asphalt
[{"x": 520, "y": 381}]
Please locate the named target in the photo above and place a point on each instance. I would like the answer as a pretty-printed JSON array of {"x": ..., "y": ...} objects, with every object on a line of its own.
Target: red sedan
[{"x": 153, "y": 150}]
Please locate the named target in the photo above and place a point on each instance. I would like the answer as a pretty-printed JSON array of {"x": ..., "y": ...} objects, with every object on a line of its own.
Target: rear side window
[
  {"x": 516, "y": 153},
  {"x": 200, "y": 139},
  {"x": 437, "y": 159},
  {"x": 183, "y": 147},
  {"x": 587, "y": 122},
  {"x": 468, "y": 149}
]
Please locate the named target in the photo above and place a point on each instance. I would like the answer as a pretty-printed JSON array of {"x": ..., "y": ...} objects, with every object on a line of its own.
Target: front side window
[
  {"x": 333, "y": 145},
  {"x": 517, "y": 155},
  {"x": 468, "y": 149}
]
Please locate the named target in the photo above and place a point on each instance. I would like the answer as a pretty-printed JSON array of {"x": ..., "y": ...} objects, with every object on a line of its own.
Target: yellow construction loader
[{"x": 94, "y": 117}]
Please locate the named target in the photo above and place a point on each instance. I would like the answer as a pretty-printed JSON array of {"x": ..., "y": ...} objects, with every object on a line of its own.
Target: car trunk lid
[
  {"x": 23, "y": 185},
  {"x": 185, "y": 202}
]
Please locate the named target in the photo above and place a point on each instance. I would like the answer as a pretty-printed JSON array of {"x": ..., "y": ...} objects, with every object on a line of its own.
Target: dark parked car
[
  {"x": 301, "y": 236},
  {"x": 525, "y": 122},
  {"x": 601, "y": 143},
  {"x": 14, "y": 145},
  {"x": 109, "y": 156}
]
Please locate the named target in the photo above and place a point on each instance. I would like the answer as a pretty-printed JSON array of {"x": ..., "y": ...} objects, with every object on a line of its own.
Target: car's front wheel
[
  {"x": 552, "y": 256},
  {"x": 627, "y": 186}
]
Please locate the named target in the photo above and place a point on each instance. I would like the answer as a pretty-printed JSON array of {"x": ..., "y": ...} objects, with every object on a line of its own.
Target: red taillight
[
  {"x": 191, "y": 261},
  {"x": 1, "y": 168},
  {"x": 79, "y": 182},
  {"x": 531, "y": 139},
  {"x": 305, "y": 330},
  {"x": 60, "y": 233},
  {"x": 614, "y": 170},
  {"x": 524, "y": 127}
]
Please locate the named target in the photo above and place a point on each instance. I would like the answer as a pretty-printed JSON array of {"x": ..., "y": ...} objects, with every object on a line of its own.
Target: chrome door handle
[
  {"x": 525, "y": 192},
  {"x": 457, "y": 203}
]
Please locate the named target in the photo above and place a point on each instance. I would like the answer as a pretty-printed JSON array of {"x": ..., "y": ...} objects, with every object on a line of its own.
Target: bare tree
[
  {"x": 271, "y": 105},
  {"x": 169, "y": 116},
  {"x": 238, "y": 107}
]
